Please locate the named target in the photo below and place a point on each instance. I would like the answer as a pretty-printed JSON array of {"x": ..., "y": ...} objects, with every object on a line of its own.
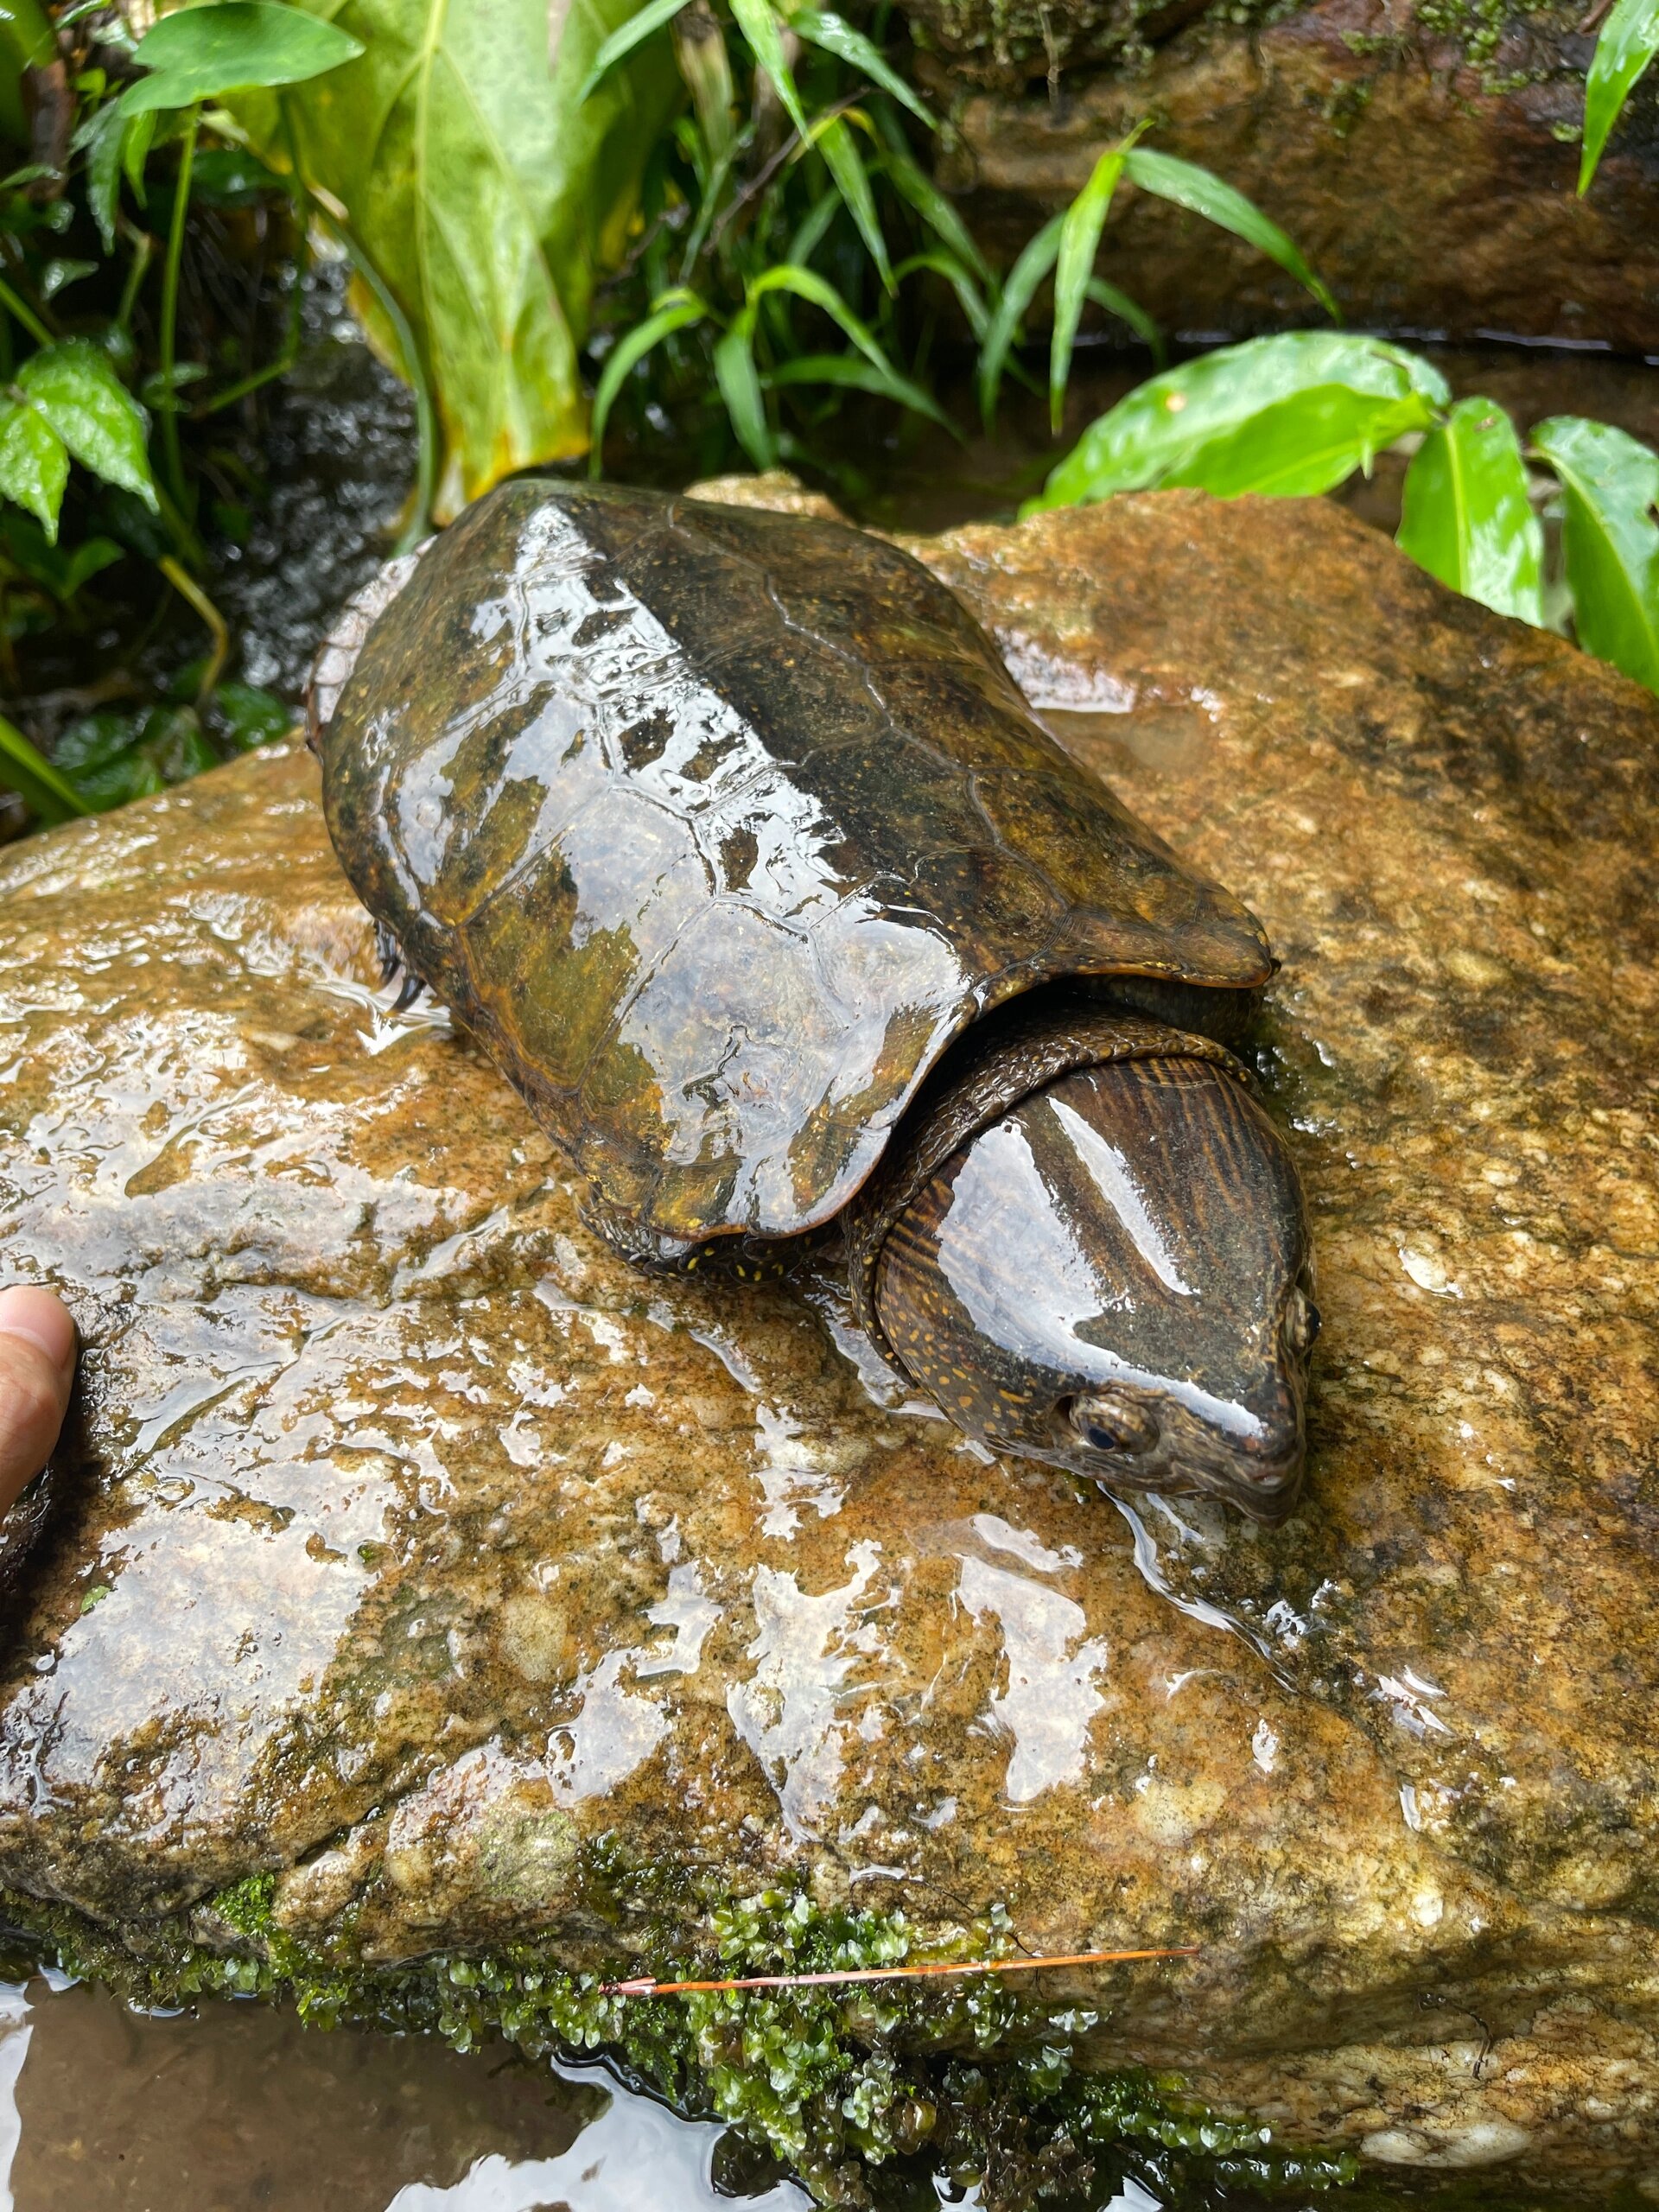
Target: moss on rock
[{"x": 830, "y": 2081}]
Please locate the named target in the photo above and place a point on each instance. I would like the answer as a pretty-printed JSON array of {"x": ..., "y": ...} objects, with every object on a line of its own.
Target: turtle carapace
[{"x": 730, "y": 837}]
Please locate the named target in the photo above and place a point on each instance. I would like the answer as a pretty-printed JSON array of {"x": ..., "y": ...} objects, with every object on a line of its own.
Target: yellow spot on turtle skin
[{"x": 967, "y": 1401}]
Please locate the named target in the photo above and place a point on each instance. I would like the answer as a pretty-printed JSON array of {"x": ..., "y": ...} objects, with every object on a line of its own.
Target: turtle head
[{"x": 1114, "y": 1277}]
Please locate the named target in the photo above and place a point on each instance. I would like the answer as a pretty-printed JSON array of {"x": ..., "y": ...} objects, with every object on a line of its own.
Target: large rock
[
  {"x": 1423, "y": 156},
  {"x": 412, "y": 1549}
]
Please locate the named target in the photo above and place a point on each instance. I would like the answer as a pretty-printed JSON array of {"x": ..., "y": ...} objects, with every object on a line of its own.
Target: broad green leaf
[
  {"x": 1467, "y": 517},
  {"x": 740, "y": 387},
  {"x": 1145, "y": 327},
  {"x": 650, "y": 18},
  {"x": 807, "y": 284},
  {"x": 27, "y": 772},
  {"x": 486, "y": 201},
  {"x": 26, "y": 42},
  {"x": 823, "y": 27},
  {"x": 853, "y": 372},
  {"x": 760, "y": 27},
  {"x": 845, "y": 164},
  {"x": 1610, "y": 485},
  {"x": 26, "y": 546},
  {"x": 1302, "y": 445},
  {"x": 34, "y": 467},
  {"x": 91, "y": 410},
  {"x": 1018, "y": 293},
  {"x": 233, "y": 46},
  {"x": 1629, "y": 41},
  {"x": 1185, "y": 184},
  {"x": 1153, "y": 433},
  {"x": 1080, "y": 229},
  {"x": 915, "y": 185},
  {"x": 677, "y": 311}
]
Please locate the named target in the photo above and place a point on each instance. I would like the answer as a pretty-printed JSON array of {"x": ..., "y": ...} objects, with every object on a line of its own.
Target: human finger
[{"x": 37, "y": 1367}]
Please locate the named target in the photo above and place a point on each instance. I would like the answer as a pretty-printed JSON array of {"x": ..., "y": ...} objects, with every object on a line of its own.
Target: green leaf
[
  {"x": 822, "y": 27},
  {"x": 1187, "y": 185},
  {"x": 1302, "y": 445},
  {"x": 1018, "y": 293},
  {"x": 34, "y": 467},
  {"x": 971, "y": 299},
  {"x": 1157, "y": 435},
  {"x": 1144, "y": 325},
  {"x": 835, "y": 142},
  {"x": 102, "y": 145},
  {"x": 486, "y": 201},
  {"x": 1610, "y": 485},
  {"x": 1080, "y": 229},
  {"x": 1629, "y": 41},
  {"x": 819, "y": 292},
  {"x": 103, "y": 425},
  {"x": 915, "y": 185},
  {"x": 232, "y": 46},
  {"x": 675, "y": 311},
  {"x": 36, "y": 782},
  {"x": 650, "y": 18},
  {"x": 759, "y": 25},
  {"x": 740, "y": 387},
  {"x": 1467, "y": 518},
  {"x": 854, "y": 373}
]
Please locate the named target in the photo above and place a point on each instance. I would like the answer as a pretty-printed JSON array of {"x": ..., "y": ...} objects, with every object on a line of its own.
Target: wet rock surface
[
  {"x": 410, "y": 1546},
  {"x": 1424, "y": 158}
]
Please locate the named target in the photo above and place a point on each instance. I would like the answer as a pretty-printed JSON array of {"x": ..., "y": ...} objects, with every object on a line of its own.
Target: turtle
[{"x": 728, "y": 836}]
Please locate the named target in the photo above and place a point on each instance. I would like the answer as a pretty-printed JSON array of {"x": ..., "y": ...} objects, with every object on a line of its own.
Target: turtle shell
[{"x": 717, "y": 826}]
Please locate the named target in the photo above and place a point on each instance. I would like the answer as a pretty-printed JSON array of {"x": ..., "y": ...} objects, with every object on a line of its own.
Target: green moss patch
[{"x": 972, "y": 2075}]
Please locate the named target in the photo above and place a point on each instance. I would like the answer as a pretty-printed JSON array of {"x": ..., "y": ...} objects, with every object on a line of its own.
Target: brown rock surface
[
  {"x": 409, "y": 1543},
  {"x": 1434, "y": 193}
]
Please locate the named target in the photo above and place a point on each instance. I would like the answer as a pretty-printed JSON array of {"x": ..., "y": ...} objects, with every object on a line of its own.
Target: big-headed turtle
[{"x": 730, "y": 837}]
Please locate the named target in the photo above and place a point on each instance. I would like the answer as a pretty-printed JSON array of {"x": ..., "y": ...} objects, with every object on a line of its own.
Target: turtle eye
[
  {"x": 1302, "y": 1322},
  {"x": 1108, "y": 1423}
]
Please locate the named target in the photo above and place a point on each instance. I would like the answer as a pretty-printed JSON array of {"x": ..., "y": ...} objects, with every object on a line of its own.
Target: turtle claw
[
  {"x": 391, "y": 952},
  {"x": 412, "y": 988}
]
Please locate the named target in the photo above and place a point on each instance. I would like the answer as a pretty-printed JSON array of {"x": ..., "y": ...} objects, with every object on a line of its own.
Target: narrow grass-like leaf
[
  {"x": 1185, "y": 184},
  {"x": 700, "y": 49},
  {"x": 1467, "y": 518},
  {"x": 740, "y": 387},
  {"x": 637, "y": 29},
  {"x": 674, "y": 311},
  {"x": 1018, "y": 293},
  {"x": 1080, "y": 229},
  {"x": 809, "y": 232},
  {"x": 42, "y": 788},
  {"x": 1145, "y": 326},
  {"x": 80, "y": 395},
  {"x": 915, "y": 185},
  {"x": 846, "y": 165},
  {"x": 1610, "y": 485},
  {"x": 853, "y": 372},
  {"x": 33, "y": 466},
  {"x": 969, "y": 296},
  {"x": 234, "y": 45},
  {"x": 819, "y": 292},
  {"x": 1152, "y": 435},
  {"x": 822, "y": 27},
  {"x": 760, "y": 27},
  {"x": 1629, "y": 41}
]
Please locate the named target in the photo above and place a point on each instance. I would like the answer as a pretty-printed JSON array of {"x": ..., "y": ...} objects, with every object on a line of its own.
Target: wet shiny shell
[{"x": 717, "y": 826}]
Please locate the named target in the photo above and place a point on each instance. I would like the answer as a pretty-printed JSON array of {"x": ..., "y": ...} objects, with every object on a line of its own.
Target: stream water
[{"x": 238, "y": 2107}]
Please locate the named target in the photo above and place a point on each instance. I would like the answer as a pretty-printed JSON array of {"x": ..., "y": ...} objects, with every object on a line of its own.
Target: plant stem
[
  {"x": 188, "y": 588},
  {"x": 170, "y": 305},
  {"x": 285, "y": 361},
  {"x": 143, "y": 248},
  {"x": 30, "y": 322}
]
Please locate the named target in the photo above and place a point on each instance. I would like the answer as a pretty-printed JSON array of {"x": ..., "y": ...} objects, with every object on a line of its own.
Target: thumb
[{"x": 37, "y": 1365}]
